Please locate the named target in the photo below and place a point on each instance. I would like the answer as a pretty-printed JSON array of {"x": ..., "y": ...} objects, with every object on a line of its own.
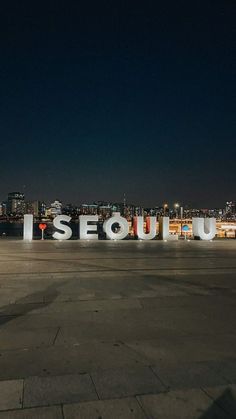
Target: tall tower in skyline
[{"x": 16, "y": 203}]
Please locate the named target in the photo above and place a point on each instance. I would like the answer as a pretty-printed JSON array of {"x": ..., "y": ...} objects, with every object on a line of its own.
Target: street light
[
  {"x": 165, "y": 208},
  {"x": 176, "y": 205}
]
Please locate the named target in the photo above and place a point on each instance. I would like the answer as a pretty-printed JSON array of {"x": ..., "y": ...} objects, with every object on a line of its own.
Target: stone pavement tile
[
  {"x": 162, "y": 290},
  {"x": 7, "y": 297},
  {"x": 43, "y": 391},
  {"x": 186, "y": 404},
  {"x": 177, "y": 319},
  {"x": 76, "y": 307},
  {"x": 127, "y": 408},
  {"x": 194, "y": 302},
  {"x": 11, "y": 393},
  {"x": 52, "y": 320},
  {"x": 127, "y": 284},
  {"x": 142, "y": 263},
  {"x": 226, "y": 368},
  {"x": 189, "y": 348},
  {"x": 19, "y": 309},
  {"x": 30, "y": 292},
  {"x": 118, "y": 325},
  {"x": 53, "y": 412},
  {"x": 123, "y": 331},
  {"x": 169, "y": 301},
  {"x": 210, "y": 326},
  {"x": 58, "y": 360},
  {"x": 28, "y": 296},
  {"x": 56, "y": 314},
  {"x": 188, "y": 375},
  {"x": 195, "y": 318},
  {"x": 125, "y": 382},
  {"x": 225, "y": 397},
  {"x": 192, "y": 321},
  {"x": 16, "y": 339},
  {"x": 58, "y": 266}
]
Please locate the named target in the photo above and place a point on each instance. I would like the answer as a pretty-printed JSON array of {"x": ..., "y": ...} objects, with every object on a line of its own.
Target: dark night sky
[{"x": 118, "y": 96}]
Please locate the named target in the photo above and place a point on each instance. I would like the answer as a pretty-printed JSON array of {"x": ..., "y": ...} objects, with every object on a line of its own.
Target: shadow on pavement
[
  {"x": 24, "y": 306},
  {"x": 226, "y": 401}
]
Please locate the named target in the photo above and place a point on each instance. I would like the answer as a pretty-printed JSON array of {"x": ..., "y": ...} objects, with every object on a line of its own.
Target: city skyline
[
  {"x": 93, "y": 197},
  {"x": 111, "y": 99},
  {"x": 15, "y": 198}
]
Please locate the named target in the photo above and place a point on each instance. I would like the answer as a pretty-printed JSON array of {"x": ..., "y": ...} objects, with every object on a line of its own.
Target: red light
[{"x": 42, "y": 226}]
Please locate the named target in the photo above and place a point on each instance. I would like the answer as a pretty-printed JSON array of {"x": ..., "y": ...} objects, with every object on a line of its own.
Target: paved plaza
[{"x": 108, "y": 330}]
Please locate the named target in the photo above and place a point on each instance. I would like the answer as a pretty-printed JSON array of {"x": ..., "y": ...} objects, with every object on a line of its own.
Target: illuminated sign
[{"x": 117, "y": 228}]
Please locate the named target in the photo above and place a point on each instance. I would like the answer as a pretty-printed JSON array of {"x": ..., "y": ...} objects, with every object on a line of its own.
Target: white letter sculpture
[
  {"x": 28, "y": 227},
  {"x": 204, "y": 228},
  {"x": 164, "y": 229},
  {"x": 67, "y": 230},
  {"x": 123, "y": 227},
  {"x": 85, "y": 228},
  {"x": 138, "y": 228}
]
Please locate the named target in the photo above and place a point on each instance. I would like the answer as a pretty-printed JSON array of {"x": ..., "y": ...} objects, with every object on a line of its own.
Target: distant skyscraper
[
  {"x": 3, "y": 208},
  {"x": 55, "y": 209},
  {"x": 37, "y": 208},
  {"x": 16, "y": 203},
  {"x": 230, "y": 207}
]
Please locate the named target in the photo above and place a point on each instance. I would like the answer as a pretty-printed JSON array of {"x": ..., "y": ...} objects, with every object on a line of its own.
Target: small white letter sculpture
[
  {"x": 28, "y": 227},
  {"x": 164, "y": 229},
  {"x": 85, "y": 228},
  {"x": 138, "y": 229},
  {"x": 67, "y": 230},
  {"x": 123, "y": 227},
  {"x": 204, "y": 228}
]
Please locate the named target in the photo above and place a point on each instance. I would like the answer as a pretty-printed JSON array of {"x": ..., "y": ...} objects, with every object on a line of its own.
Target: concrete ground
[{"x": 112, "y": 330}]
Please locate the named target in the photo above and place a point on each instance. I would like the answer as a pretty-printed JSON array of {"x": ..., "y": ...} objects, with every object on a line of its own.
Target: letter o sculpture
[{"x": 124, "y": 228}]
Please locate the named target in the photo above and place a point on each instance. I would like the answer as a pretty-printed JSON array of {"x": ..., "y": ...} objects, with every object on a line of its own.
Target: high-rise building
[
  {"x": 230, "y": 207},
  {"x": 55, "y": 209},
  {"x": 16, "y": 203},
  {"x": 3, "y": 209},
  {"x": 36, "y": 208},
  {"x": 42, "y": 208},
  {"x": 89, "y": 209}
]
